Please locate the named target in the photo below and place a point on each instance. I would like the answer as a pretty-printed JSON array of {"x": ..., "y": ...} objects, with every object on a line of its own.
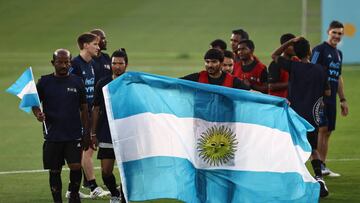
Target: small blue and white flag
[
  {"x": 205, "y": 143},
  {"x": 25, "y": 89}
]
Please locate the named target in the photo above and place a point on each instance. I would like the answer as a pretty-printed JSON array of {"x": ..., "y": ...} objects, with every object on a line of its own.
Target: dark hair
[
  {"x": 120, "y": 53},
  {"x": 302, "y": 48},
  {"x": 86, "y": 38},
  {"x": 219, "y": 43},
  {"x": 97, "y": 32},
  {"x": 249, "y": 43},
  {"x": 61, "y": 51},
  {"x": 228, "y": 54},
  {"x": 214, "y": 54},
  {"x": 286, "y": 37},
  {"x": 335, "y": 24},
  {"x": 242, "y": 33}
]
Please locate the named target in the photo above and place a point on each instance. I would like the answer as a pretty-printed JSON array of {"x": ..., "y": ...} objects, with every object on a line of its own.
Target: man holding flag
[{"x": 65, "y": 112}]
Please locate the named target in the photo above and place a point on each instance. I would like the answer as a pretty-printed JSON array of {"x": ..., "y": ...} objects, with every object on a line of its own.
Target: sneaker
[
  {"x": 115, "y": 199},
  {"x": 324, "y": 170},
  {"x": 74, "y": 198},
  {"x": 99, "y": 192},
  {"x": 333, "y": 174},
  {"x": 323, "y": 189},
  {"x": 82, "y": 195}
]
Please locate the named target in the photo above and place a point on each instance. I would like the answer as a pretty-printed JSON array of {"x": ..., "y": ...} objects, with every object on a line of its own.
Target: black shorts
[
  {"x": 55, "y": 153},
  {"x": 328, "y": 118},
  {"x": 106, "y": 153},
  {"x": 313, "y": 138}
]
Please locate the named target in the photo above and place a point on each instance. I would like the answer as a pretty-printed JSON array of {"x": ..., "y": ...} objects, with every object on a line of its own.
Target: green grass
[{"x": 163, "y": 37}]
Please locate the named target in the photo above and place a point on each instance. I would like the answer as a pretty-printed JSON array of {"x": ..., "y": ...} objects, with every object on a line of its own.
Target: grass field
[{"x": 163, "y": 37}]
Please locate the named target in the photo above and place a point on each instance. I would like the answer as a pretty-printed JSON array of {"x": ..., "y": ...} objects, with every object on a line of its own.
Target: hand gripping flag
[
  {"x": 25, "y": 89},
  {"x": 206, "y": 143}
]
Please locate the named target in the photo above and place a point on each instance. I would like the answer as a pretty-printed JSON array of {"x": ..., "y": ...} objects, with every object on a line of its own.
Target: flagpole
[{"x": 37, "y": 94}]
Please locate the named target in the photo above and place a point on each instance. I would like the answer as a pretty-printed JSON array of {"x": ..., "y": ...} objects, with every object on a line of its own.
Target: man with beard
[
  {"x": 250, "y": 70},
  {"x": 327, "y": 55},
  {"x": 213, "y": 73},
  {"x": 63, "y": 96},
  {"x": 102, "y": 60},
  {"x": 101, "y": 132}
]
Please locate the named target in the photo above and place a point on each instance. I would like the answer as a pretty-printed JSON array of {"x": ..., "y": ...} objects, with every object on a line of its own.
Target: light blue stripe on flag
[
  {"x": 24, "y": 88},
  {"x": 159, "y": 125}
]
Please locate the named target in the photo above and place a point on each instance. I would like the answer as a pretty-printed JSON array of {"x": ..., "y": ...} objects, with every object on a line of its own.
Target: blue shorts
[{"x": 328, "y": 117}]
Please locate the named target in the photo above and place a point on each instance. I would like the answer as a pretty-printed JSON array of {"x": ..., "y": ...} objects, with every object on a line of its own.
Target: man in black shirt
[
  {"x": 63, "y": 97},
  {"x": 84, "y": 66},
  {"x": 213, "y": 74},
  {"x": 101, "y": 131},
  {"x": 308, "y": 83}
]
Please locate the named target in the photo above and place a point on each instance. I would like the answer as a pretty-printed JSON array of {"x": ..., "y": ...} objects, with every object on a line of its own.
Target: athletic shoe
[
  {"x": 324, "y": 170},
  {"x": 99, "y": 192},
  {"x": 115, "y": 199},
  {"x": 82, "y": 195},
  {"x": 74, "y": 198},
  {"x": 333, "y": 174},
  {"x": 323, "y": 189}
]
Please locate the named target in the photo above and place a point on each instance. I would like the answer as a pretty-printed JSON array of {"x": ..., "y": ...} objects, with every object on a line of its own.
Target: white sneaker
[
  {"x": 325, "y": 171},
  {"x": 82, "y": 195},
  {"x": 99, "y": 192},
  {"x": 114, "y": 199},
  {"x": 333, "y": 174}
]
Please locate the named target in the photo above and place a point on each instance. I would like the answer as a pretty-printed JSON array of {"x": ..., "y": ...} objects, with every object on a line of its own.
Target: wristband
[
  {"x": 342, "y": 100},
  {"x": 93, "y": 135}
]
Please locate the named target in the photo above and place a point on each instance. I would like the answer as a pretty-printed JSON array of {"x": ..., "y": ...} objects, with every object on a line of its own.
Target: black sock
[
  {"x": 92, "y": 184},
  {"x": 55, "y": 185},
  {"x": 110, "y": 183},
  {"x": 316, "y": 164},
  {"x": 75, "y": 181}
]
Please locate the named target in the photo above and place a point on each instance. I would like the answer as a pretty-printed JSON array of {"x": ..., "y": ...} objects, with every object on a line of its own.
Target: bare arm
[
  {"x": 275, "y": 55},
  {"x": 343, "y": 103},
  {"x": 95, "y": 119},
  {"x": 278, "y": 86},
  {"x": 40, "y": 116}
]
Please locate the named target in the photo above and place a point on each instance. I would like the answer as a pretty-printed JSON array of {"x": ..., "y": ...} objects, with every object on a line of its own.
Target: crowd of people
[{"x": 309, "y": 80}]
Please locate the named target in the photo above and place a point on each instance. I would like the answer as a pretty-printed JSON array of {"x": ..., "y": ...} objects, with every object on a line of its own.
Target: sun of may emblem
[{"x": 217, "y": 145}]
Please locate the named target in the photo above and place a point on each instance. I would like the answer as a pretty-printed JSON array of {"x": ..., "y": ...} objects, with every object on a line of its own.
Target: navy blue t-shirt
[
  {"x": 102, "y": 128},
  {"x": 330, "y": 58},
  {"x": 86, "y": 71},
  {"x": 307, "y": 84},
  {"x": 102, "y": 66},
  {"x": 61, "y": 98}
]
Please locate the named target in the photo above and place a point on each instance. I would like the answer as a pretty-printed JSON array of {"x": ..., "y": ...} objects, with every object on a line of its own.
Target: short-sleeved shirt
[
  {"x": 238, "y": 84},
  {"x": 61, "y": 98},
  {"x": 307, "y": 84},
  {"x": 102, "y": 128},
  {"x": 330, "y": 58},
  {"x": 102, "y": 66},
  {"x": 86, "y": 71}
]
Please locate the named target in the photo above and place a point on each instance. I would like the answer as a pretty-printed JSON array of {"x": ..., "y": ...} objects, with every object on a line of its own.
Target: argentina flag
[
  {"x": 205, "y": 143},
  {"x": 25, "y": 88}
]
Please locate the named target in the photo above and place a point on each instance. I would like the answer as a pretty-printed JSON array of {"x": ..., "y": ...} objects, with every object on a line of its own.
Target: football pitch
[{"x": 161, "y": 37}]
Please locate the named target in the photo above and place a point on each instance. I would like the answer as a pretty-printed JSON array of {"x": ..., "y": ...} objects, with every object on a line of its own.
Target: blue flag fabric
[
  {"x": 25, "y": 88},
  {"x": 205, "y": 143}
]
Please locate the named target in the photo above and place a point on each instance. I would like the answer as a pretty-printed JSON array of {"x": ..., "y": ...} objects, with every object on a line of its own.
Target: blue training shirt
[
  {"x": 86, "y": 71},
  {"x": 61, "y": 98},
  {"x": 331, "y": 58}
]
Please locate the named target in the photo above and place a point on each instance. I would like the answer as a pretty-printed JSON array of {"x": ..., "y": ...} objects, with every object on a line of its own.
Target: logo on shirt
[
  {"x": 107, "y": 66},
  {"x": 329, "y": 56},
  {"x": 72, "y": 89},
  {"x": 318, "y": 110}
]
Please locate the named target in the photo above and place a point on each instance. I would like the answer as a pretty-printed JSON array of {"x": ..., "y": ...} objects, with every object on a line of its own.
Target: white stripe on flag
[
  {"x": 259, "y": 148},
  {"x": 30, "y": 88}
]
